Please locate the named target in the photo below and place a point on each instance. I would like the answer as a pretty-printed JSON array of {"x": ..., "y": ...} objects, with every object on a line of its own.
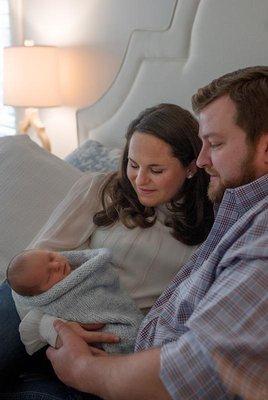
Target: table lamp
[{"x": 31, "y": 80}]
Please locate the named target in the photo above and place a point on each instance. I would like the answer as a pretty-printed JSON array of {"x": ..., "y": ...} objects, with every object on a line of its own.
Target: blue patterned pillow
[{"x": 93, "y": 156}]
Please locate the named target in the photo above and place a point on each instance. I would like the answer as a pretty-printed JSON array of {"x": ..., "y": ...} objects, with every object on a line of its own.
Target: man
[{"x": 208, "y": 330}]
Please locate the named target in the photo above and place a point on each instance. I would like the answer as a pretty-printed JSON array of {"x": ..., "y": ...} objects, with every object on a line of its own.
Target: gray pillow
[
  {"x": 32, "y": 183},
  {"x": 93, "y": 156}
]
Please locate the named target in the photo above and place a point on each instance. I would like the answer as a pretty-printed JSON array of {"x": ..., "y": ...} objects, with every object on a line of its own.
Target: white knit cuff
[
  {"x": 29, "y": 331},
  {"x": 47, "y": 331}
]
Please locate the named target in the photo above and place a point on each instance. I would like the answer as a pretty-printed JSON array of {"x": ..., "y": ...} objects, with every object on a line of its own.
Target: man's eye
[{"x": 215, "y": 145}]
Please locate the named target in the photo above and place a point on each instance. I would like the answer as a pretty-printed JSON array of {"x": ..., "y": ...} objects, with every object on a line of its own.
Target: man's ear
[
  {"x": 191, "y": 169},
  {"x": 262, "y": 154},
  {"x": 266, "y": 147}
]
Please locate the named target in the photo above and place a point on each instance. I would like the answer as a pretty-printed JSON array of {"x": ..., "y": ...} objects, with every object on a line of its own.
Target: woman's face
[{"x": 155, "y": 174}]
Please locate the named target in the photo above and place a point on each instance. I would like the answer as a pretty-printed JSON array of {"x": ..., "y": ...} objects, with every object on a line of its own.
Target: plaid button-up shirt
[{"x": 216, "y": 308}]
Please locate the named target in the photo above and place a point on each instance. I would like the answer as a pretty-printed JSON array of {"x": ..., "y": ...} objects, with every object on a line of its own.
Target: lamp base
[{"x": 32, "y": 119}]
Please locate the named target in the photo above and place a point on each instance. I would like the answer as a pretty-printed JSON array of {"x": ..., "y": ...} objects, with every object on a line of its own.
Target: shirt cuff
[{"x": 188, "y": 372}]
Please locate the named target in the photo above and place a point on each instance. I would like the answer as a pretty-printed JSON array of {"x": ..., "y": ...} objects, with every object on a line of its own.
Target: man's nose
[{"x": 203, "y": 159}]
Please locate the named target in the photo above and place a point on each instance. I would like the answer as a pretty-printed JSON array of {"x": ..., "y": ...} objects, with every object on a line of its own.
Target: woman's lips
[{"x": 145, "y": 191}]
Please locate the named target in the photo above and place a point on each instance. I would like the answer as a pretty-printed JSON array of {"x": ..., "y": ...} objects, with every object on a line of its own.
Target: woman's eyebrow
[
  {"x": 149, "y": 165},
  {"x": 131, "y": 159}
]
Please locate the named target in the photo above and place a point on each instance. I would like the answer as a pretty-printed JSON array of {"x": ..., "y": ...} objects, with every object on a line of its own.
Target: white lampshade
[{"x": 31, "y": 76}]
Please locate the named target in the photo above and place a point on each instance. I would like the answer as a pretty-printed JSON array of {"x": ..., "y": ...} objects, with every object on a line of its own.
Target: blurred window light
[{"x": 7, "y": 113}]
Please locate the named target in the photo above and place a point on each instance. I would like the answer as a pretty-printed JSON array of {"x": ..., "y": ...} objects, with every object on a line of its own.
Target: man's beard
[{"x": 247, "y": 175}]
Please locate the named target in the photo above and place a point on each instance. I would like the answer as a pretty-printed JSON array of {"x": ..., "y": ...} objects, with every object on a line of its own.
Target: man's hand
[
  {"x": 132, "y": 377},
  {"x": 69, "y": 360},
  {"x": 89, "y": 333}
]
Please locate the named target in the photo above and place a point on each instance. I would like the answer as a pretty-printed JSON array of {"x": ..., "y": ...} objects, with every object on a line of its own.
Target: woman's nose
[
  {"x": 203, "y": 158},
  {"x": 141, "y": 178}
]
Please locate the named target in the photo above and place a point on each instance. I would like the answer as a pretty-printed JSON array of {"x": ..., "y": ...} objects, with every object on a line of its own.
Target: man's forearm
[{"x": 132, "y": 377}]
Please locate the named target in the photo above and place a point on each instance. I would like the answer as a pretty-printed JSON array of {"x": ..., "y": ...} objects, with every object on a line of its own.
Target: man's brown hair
[{"x": 248, "y": 89}]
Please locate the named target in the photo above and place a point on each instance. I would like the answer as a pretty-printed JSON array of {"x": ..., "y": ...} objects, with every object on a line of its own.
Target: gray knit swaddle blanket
[{"x": 92, "y": 293}]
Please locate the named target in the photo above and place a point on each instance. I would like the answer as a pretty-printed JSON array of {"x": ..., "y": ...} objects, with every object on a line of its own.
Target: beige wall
[{"x": 97, "y": 30}]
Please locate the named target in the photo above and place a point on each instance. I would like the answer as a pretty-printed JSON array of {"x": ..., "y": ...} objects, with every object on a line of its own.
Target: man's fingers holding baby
[
  {"x": 67, "y": 359},
  {"x": 93, "y": 326},
  {"x": 100, "y": 337},
  {"x": 97, "y": 352},
  {"x": 85, "y": 334}
]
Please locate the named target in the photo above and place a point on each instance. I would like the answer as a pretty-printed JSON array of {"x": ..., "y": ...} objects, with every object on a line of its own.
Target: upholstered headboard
[{"x": 205, "y": 39}]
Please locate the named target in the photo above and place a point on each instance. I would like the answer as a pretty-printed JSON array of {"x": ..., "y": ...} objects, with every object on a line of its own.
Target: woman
[{"x": 152, "y": 214}]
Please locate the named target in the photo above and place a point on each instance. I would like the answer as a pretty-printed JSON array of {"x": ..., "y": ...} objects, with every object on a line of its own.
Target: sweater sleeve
[
  {"x": 69, "y": 226},
  {"x": 36, "y": 331},
  {"x": 46, "y": 330},
  {"x": 71, "y": 223},
  {"x": 29, "y": 331}
]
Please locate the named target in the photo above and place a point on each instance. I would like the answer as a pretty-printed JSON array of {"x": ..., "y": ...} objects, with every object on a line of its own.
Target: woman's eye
[
  {"x": 157, "y": 171},
  {"x": 134, "y": 166}
]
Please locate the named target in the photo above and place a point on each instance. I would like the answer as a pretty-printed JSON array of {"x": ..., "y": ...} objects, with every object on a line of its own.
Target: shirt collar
[
  {"x": 163, "y": 213},
  {"x": 246, "y": 196}
]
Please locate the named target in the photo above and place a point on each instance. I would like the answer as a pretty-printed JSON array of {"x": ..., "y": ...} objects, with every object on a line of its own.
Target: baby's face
[{"x": 46, "y": 268}]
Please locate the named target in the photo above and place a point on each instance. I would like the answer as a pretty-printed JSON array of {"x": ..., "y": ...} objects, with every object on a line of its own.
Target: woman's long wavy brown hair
[{"x": 191, "y": 210}]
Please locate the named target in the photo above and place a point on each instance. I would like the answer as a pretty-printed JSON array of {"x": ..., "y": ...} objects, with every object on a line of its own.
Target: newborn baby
[
  {"x": 35, "y": 271},
  {"x": 80, "y": 286}
]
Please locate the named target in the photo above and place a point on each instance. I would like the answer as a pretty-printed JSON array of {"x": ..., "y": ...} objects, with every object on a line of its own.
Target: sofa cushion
[
  {"x": 93, "y": 156},
  {"x": 32, "y": 183}
]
